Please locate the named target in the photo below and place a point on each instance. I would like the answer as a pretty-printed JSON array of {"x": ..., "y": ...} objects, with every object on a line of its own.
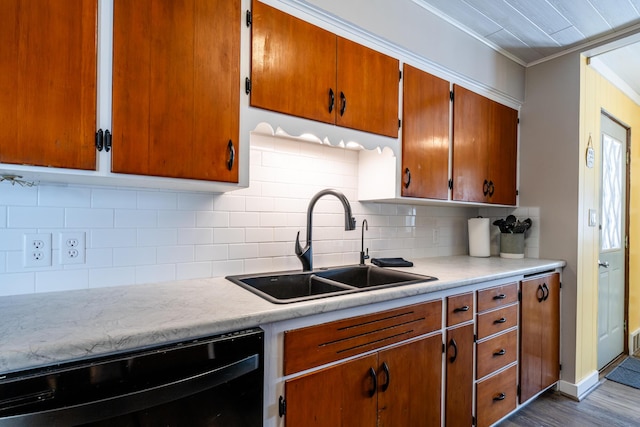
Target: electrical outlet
[
  {"x": 72, "y": 247},
  {"x": 37, "y": 250}
]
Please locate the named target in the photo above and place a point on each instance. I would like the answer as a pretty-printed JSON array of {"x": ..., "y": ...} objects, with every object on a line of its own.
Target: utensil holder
[{"x": 512, "y": 245}]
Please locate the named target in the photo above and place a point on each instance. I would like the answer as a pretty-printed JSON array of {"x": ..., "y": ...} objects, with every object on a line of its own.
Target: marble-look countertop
[{"x": 49, "y": 328}]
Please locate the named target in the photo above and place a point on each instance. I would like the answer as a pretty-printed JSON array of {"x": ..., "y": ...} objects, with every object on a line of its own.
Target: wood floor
[{"x": 610, "y": 404}]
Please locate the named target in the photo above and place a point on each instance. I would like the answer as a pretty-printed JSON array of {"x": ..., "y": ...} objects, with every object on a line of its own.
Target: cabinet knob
[
  {"x": 501, "y": 352},
  {"x": 501, "y": 396}
]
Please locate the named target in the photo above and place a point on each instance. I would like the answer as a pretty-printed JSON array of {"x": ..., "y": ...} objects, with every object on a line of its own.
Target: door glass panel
[{"x": 612, "y": 170}]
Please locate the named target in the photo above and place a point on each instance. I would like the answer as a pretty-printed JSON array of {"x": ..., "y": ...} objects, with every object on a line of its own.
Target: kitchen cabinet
[
  {"x": 425, "y": 135},
  {"x": 539, "y": 335},
  {"x": 176, "y": 75},
  {"x": 459, "y": 360},
  {"x": 397, "y": 385},
  {"x": 303, "y": 70},
  {"x": 48, "y": 83},
  {"x": 485, "y": 139}
]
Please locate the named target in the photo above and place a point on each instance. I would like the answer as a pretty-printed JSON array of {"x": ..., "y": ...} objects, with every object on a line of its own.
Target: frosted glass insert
[{"x": 611, "y": 237}]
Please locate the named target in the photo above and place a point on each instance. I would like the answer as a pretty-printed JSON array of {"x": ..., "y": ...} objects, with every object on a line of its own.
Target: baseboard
[
  {"x": 634, "y": 341},
  {"x": 580, "y": 390}
]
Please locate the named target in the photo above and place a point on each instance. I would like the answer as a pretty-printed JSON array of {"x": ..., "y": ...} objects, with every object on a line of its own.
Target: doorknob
[{"x": 603, "y": 264}]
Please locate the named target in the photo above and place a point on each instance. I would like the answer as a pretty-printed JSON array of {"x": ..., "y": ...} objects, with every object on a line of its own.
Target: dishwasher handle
[{"x": 86, "y": 412}]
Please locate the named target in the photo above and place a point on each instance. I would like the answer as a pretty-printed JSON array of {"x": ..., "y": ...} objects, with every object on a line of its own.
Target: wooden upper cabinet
[
  {"x": 485, "y": 137},
  {"x": 176, "y": 88},
  {"x": 293, "y": 65},
  {"x": 425, "y": 135},
  {"x": 48, "y": 83},
  {"x": 302, "y": 70}
]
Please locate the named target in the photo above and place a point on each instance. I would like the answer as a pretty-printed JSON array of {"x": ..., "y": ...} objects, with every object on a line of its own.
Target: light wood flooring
[{"x": 609, "y": 404}]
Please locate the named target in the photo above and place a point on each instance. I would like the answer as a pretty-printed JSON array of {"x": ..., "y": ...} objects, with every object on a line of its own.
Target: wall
[{"x": 137, "y": 236}]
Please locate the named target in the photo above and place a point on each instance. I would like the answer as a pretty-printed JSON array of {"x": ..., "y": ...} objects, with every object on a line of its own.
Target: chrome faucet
[
  {"x": 305, "y": 255},
  {"x": 365, "y": 226}
]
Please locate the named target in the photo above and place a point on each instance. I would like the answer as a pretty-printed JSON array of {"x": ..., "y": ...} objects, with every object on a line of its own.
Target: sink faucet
[
  {"x": 305, "y": 255},
  {"x": 365, "y": 226}
]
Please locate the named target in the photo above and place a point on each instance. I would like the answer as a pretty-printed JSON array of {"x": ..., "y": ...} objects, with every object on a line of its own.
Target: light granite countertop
[{"x": 45, "y": 329}]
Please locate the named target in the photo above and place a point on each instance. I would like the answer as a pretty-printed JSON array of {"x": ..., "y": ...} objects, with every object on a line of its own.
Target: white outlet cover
[
  {"x": 36, "y": 250},
  {"x": 72, "y": 247}
]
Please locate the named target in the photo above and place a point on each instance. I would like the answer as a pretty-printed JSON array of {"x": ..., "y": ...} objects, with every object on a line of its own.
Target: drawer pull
[
  {"x": 502, "y": 352},
  {"x": 385, "y": 368},
  {"x": 499, "y": 397},
  {"x": 500, "y": 320},
  {"x": 499, "y": 296},
  {"x": 546, "y": 291},
  {"x": 540, "y": 298},
  {"x": 374, "y": 379},
  {"x": 452, "y": 343},
  {"x": 463, "y": 308}
]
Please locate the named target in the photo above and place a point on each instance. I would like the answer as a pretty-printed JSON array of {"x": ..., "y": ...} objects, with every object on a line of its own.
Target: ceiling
[{"x": 530, "y": 31}]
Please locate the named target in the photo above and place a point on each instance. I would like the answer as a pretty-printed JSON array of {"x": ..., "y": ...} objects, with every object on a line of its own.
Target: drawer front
[
  {"x": 496, "y": 353},
  {"x": 496, "y": 397},
  {"x": 492, "y": 322},
  {"x": 497, "y": 297},
  {"x": 317, "y": 345},
  {"x": 459, "y": 308}
]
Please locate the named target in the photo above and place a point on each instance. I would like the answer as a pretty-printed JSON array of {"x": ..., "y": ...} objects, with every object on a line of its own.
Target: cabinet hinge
[
  {"x": 248, "y": 18},
  {"x": 517, "y": 192},
  {"x": 561, "y": 366},
  {"x": 400, "y": 78},
  {"x": 518, "y": 390},
  {"x": 107, "y": 141},
  {"x": 519, "y": 295},
  {"x": 399, "y": 123},
  {"x": 518, "y": 120},
  {"x": 473, "y": 420},
  {"x": 450, "y": 184},
  {"x": 99, "y": 140},
  {"x": 475, "y": 338},
  {"x": 247, "y": 85},
  {"x": 282, "y": 406},
  {"x": 451, "y": 95},
  {"x": 443, "y": 348},
  {"x": 560, "y": 285}
]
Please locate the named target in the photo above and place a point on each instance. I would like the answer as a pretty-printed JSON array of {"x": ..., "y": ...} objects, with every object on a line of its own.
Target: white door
[{"x": 611, "y": 262}]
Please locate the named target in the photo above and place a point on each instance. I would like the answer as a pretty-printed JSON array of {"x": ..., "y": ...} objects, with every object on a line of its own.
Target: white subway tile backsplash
[
  {"x": 195, "y": 201},
  {"x": 175, "y": 254},
  {"x": 134, "y": 256},
  {"x": 127, "y": 218},
  {"x": 229, "y": 203},
  {"x": 256, "y": 235},
  {"x": 212, "y": 252},
  {"x": 102, "y": 277},
  {"x": 195, "y": 236},
  {"x": 35, "y": 217},
  {"x": 61, "y": 280},
  {"x": 243, "y": 251},
  {"x": 157, "y": 200},
  {"x": 15, "y": 195},
  {"x": 3, "y": 216},
  {"x": 176, "y": 219},
  {"x": 212, "y": 219},
  {"x": 157, "y": 236},
  {"x": 3, "y": 262},
  {"x": 113, "y": 199},
  {"x": 193, "y": 270},
  {"x": 244, "y": 219},
  {"x": 114, "y": 238},
  {"x": 17, "y": 283},
  {"x": 64, "y": 196},
  {"x": 88, "y": 218},
  {"x": 155, "y": 273},
  {"x": 228, "y": 235},
  {"x": 97, "y": 258}
]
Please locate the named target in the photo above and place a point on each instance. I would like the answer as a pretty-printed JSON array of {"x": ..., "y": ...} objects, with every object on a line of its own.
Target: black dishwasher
[{"x": 214, "y": 381}]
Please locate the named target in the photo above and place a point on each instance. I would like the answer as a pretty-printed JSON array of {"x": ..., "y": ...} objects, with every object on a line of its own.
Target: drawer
[
  {"x": 459, "y": 308},
  {"x": 496, "y": 353},
  {"x": 317, "y": 345},
  {"x": 496, "y": 397},
  {"x": 497, "y": 297},
  {"x": 492, "y": 322}
]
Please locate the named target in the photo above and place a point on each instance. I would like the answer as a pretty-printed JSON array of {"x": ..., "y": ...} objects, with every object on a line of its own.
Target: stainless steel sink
[{"x": 288, "y": 287}]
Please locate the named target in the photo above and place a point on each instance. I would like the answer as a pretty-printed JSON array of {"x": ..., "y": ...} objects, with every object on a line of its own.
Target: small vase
[{"x": 512, "y": 245}]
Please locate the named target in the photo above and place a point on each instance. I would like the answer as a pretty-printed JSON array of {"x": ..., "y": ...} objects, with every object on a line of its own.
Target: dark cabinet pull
[
  {"x": 374, "y": 378},
  {"x": 231, "y": 157},
  {"x": 485, "y": 187},
  {"x": 500, "y": 296},
  {"x": 491, "y": 188},
  {"x": 385, "y": 369},
  {"x": 343, "y": 103},
  {"x": 501, "y": 396},
  {"x": 332, "y": 100},
  {"x": 407, "y": 178},
  {"x": 463, "y": 308},
  {"x": 452, "y": 343},
  {"x": 500, "y": 320},
  {"x": 502, "y": 352},
  {"x": 545, "y": 289},
  {"x": 540, "y": 298},
  {"x": 107, "y": 141}
]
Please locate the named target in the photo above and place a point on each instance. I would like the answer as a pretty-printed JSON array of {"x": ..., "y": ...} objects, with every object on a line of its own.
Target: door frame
[{"x": 627, "y": 221}]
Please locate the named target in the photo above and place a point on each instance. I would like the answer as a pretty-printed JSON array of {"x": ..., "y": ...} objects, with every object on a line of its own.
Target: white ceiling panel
[{"x": 542, "y": 14}]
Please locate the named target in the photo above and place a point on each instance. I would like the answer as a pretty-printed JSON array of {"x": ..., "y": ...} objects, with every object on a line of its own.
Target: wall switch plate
[
  {"x": 37, "y": 250},
  {"x": 593, "y": 218},
  {"x": 72, "y": 247}
]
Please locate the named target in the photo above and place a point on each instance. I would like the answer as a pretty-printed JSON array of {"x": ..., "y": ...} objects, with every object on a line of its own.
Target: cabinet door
[
  {"x": 471, "y": 114},
  {"x": 459, "y": 386},
  {"x": 176, "y": 84},
  {"x": 503, "y": 154},
  {"x": 293, "y": 65},
  {"x": 368, "y": 85},
  {"x": 48, "y": 83},
  {"x": 540, "y": 335},
  {"x": 425, "y": 135},
  {"x": 410, "y": 384},
  {"x": 343, "y": 395}
]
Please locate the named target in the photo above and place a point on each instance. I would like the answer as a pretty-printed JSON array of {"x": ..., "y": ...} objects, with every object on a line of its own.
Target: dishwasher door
[{"x": 214, "y": 381}]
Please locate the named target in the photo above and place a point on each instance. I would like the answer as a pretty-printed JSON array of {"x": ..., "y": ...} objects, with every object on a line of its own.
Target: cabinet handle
[
  {"x": 343, "y": 103},
  {"x": 540, "y": 298},
  {"x": 491, "y": 188},
  {"x": 502, "y": 352},
  {"x": 499, "y": 296},
  {"x": 407, "y": 178},
  {"x": 501, "y": 396},
  {"x": 99, "y": 140},
  {"x": 463, "y": 308},
  {"x": 385, "y": 369},
  {"x": 332, "y": 100},
  {"x": 546, "y": 291},
  {"x": 500, "y": 320},
  {"x": 374, "y": 378},
  {"x": 231, "y": 155},
  {"x": 485, "y": 187},
  {"x": 452, "y": 343}
]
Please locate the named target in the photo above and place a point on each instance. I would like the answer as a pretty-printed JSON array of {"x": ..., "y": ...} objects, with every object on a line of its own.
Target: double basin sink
[{"x": 289, "y": 287}]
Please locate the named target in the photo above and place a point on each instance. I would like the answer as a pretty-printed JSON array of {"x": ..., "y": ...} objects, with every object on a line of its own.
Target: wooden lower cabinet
[
  {"x": 399, "y": 386},
  {"x": 496, "y": 396},
  {"x": 459, "y": 377}
]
